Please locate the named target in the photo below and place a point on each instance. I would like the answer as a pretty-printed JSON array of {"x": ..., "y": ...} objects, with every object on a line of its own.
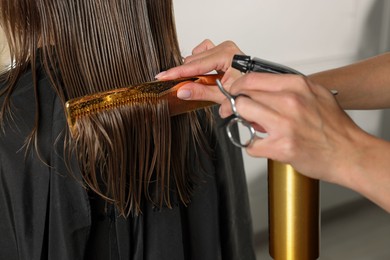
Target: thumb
[{"x": 196, "y": 91}]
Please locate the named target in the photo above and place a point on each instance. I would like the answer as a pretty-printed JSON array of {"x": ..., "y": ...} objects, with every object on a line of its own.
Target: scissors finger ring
[{"x": 236, "y": 120}]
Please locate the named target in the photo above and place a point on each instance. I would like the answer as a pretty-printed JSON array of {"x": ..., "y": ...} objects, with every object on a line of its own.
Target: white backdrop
[{"x": 309, "y": 35}]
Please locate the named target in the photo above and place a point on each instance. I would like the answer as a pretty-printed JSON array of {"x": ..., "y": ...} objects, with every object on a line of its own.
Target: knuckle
[
  {"x": 289, "y": 142},
  {"x": 247, "y": 81},
  {"x": 208, "y": 42},
  {"x": 289, "y": 149},
  {"x": 230, "y": 46},
  {"x": 241, "y": 105},
  {"x": 301, "y": 82},
  {"x": 200, "y": 93},
  {"x": 300, "y": 79},
  {"x": 186, "y": 59},
  {"x": 250, "y": 79},
  {"x": 238, "y": 99},
  {"x": 293, "y": 101}
]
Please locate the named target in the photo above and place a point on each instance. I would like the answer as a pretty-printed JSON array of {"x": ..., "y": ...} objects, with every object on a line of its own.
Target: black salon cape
[{"x": 45, "y": 213}]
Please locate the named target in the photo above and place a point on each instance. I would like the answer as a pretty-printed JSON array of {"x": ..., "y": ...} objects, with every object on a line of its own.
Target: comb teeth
[
  {"x": 86, "y": 108},
  {"x": 146, "y": 92},
  {"x": 151, "y": 91}
]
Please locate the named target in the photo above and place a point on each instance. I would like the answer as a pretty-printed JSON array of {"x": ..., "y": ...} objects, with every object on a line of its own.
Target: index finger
[
  {"x": 218, "y": 58},
  {"x": 194, "y": 68},
  {"x": 270, "y": 82}
]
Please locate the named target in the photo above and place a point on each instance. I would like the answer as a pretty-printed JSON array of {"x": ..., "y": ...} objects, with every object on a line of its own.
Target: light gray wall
[{"x": 309, "y": 35}]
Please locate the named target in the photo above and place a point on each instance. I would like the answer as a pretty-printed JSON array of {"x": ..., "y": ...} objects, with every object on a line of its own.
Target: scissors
[
  {"x": 246, "y": 64},
  {"x": 236, "y": 120}
]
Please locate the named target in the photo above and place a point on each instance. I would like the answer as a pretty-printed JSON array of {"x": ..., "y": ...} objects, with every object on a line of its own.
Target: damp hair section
[
  {"x": 134, "y": 158},
  {"x": 132, "y": 154}
]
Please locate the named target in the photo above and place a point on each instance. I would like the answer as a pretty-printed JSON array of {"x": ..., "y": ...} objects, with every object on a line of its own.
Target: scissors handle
[{"x": 236, "y": 120}]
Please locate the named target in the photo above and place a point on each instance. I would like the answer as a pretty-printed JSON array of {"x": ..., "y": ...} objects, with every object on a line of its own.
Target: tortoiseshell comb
[{"x": 83, "y": 106}]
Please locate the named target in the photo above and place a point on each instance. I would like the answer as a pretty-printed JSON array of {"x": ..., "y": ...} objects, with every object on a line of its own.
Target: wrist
[{"x": 366, "y": 170}]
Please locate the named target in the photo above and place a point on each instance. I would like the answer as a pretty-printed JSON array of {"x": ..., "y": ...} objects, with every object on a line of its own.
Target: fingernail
[
  {"x": 184, "y": 94},
  {"x": 160, "y": 75}
]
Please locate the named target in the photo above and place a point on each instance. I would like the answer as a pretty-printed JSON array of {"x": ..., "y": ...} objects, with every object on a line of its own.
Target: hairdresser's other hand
[
  {"x": 304, "y": 124},
  {"x": 205, "y": 58},
  {"x": 306, "y": 128}
]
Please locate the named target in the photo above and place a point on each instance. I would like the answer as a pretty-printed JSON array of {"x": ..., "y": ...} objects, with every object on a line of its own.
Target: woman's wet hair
[{"x": 131, "y": 154}]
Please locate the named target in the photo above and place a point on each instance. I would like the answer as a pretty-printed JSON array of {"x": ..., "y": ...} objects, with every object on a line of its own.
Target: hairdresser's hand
[
  {"x": 304, "y": 124},
  {"x": 205, "y": 58}
]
